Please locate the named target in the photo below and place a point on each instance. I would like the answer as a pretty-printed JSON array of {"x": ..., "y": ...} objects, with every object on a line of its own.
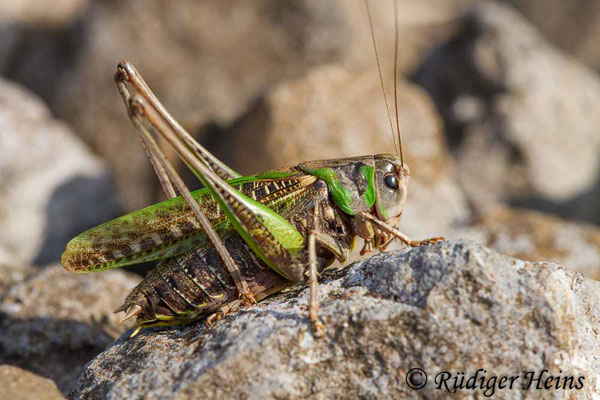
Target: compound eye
[{"x": 391, "y": 181}]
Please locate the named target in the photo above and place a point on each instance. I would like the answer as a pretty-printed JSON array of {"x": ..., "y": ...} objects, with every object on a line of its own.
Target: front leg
[
  {"x": 313, "y": 282},
  {"x": 340, "y": 252},
  {"x": 399, "y": 235}
]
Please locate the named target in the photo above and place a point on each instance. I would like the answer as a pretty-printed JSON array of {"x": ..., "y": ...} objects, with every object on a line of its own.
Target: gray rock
[
  {"x": 572, "y": 25},
  {"x": 456, "y": 306},
  {"x": 422, "y": 25},
  {"x": 53, "y": 321},
  {"x": 521, "y": 116},
  {"x": 51, "y": 186},
  {"x": 535, "y": 236}
]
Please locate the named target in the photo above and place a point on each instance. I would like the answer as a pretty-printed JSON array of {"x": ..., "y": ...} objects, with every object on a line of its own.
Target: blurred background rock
[{"x": 499, "y": 112}]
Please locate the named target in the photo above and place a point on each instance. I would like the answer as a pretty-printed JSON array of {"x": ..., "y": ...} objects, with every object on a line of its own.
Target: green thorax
[{"x": 350, "y": 180}]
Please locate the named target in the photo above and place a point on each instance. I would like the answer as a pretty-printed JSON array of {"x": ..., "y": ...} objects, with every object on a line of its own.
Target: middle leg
[{"x": 340, "y": 253}]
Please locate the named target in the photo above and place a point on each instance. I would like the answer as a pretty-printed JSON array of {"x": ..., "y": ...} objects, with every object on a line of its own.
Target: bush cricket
[{"x": 241, "y": 238}]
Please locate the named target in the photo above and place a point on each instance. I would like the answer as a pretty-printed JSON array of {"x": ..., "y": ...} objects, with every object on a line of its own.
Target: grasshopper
[{"x": 241, "y": 238}]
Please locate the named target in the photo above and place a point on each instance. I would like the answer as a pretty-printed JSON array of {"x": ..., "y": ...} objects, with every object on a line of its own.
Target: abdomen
[{"x": 195, "y": 284}]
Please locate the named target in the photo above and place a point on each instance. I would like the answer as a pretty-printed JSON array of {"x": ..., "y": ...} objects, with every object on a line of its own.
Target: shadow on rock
[
  {"x": 54, "y": 348},
  {"x": 583, "y": 207},
  {"x": 78, "y": 204},
  {"x": 40, "y": 54}
]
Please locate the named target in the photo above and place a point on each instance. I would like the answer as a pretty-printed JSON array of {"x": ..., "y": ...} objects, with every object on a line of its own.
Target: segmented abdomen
[{"x": 195, "y": 284}]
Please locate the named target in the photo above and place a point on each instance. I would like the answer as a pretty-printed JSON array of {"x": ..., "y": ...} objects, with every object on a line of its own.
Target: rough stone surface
[
  {"x": 18, "y": 384},
  {"x": 53, "y": 321},
  {"x": 455, "y": 306},
  {"x": 51, "y": 186},
  {"x": 334, "y": 112},
  {"x": 522, "y": 117},
  {"x": 535, "y": 236}
]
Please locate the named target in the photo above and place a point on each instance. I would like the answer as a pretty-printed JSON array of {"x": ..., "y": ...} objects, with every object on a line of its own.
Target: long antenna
[
  {"x": 387, "y": 107},
  {"x": 396, "y": 78}
]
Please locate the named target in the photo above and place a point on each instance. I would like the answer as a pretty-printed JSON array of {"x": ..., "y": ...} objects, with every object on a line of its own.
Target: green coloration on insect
[
  {"x": 340, "y": 194},
  {"x": 241, "y": 238},
  {"x": 369, "y": 174},
  {"x": 115, "y": 241}
]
